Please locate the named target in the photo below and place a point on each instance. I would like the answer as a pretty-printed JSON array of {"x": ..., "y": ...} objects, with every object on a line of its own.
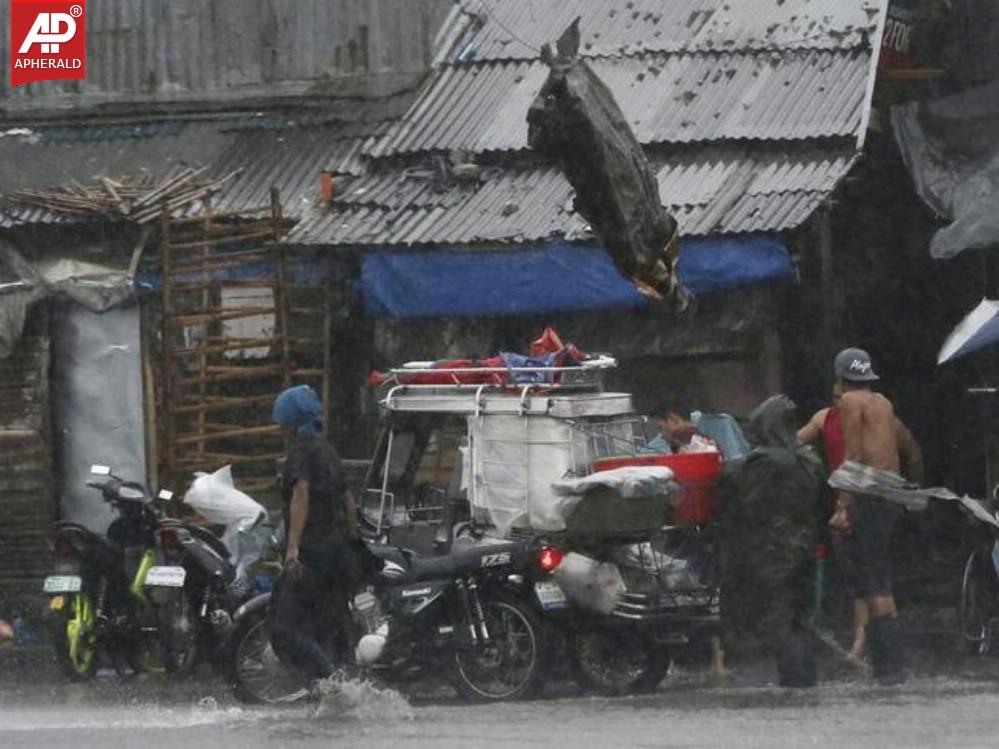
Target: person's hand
[
  {"x": 292, "y": 565},
  {"x": 840, "y": 519}
]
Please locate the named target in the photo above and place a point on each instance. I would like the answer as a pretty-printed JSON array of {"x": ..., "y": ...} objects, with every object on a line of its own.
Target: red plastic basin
[{"x": 696, "y": 473}]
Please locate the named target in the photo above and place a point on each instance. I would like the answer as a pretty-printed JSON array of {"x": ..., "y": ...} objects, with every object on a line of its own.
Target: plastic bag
[
  {"x": 216, "y": 498},
  {"x": 589, "y": 584}
]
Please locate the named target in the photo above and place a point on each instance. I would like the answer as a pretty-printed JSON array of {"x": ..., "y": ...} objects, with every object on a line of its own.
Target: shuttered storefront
[{"x": 27, "y": 505}]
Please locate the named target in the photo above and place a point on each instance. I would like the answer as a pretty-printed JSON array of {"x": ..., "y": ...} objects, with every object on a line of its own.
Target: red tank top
[{"x": 832, "y": 438}]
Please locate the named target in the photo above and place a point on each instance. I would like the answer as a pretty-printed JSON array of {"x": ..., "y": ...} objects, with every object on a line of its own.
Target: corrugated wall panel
[
  {"x": 163, "y": 50},
  {"x": 27, "y": 505}
]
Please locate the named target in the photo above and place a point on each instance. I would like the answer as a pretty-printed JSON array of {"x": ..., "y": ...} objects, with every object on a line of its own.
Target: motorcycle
[
  {"x": 218, "y": 568},
  {"x": 619, "y": 608},
  {"x": 212, "y": 588},
  {"x": 467, "y": 610},
  {"x": 111, "y": 595}
]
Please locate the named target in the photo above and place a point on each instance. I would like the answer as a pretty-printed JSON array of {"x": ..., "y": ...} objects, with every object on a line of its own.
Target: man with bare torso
[{"x": 874, "y": 437}]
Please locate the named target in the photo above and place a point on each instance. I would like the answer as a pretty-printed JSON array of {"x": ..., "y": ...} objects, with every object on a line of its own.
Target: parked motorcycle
[
  {"x": 214, "y": 587},
  {"x": 111, "y": 595},
  {"x": 466, "y": 612},
  {"x": 619, "y": 608}
]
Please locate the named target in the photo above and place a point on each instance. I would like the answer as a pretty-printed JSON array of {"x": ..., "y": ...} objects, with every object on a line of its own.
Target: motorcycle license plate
[
  {"x": 62, "y": 584},
  {"x": 550, "y": 595},
  {"x": 166, "y": 577}
]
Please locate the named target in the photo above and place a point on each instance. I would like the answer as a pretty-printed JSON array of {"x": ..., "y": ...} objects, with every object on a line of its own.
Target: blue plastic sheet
[
  {"x": 439, "y": 283},
  {"x": 711, "y": 264}
]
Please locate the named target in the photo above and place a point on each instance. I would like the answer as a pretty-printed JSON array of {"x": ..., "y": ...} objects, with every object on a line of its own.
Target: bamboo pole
[
  {"x": 231, "y": 458},
  {"x": 206, "y": 303},
  {"x": 233, "y": 404},
  {"x": 217, "y": 315},
  {"x": 168, "y": 449},
  {"x": 261, "y": 234},
  {"x": 327, "y": 373},
  {"x": 234, "y": 375},
  {"x": 188, "y": 439},
  {"x": 149, "y": 393}
]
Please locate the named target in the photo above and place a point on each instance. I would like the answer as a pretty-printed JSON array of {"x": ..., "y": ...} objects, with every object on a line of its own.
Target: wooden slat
[{"x": 187, "y": 439}]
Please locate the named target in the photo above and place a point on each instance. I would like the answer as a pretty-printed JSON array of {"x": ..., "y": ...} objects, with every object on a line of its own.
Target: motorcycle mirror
[
  {"x": 165, "y": 494},
  {"x": 99, "y": 470}
]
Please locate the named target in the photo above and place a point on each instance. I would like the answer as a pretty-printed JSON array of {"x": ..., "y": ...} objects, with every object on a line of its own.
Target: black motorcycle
[
  {"x": 111, "y": 594},
  {"x": 214, "y": 587},
  {"x": 466, "y": 614}
]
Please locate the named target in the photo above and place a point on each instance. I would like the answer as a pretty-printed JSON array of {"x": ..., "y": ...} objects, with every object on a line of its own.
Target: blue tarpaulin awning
[
  {"x": 710, "y": 264},
  {"x": 444, "y": 283}
]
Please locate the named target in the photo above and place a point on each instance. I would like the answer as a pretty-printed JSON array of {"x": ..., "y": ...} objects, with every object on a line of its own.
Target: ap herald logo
[{"x": 48, "y": 41}]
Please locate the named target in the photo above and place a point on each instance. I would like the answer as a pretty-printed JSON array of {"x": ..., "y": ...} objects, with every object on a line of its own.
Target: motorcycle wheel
[
  {"x": 511, "y": 666},
  {"x": 613, "y": 662},
  {"x": 255, "y": 673},
  {"x": 76, "y": 639},
  {"x": 178, "y": 634},
  {"x": 974, "y": 609}
]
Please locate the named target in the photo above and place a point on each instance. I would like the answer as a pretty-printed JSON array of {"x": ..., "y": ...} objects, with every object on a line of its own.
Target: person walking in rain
[
  {"x": 874, "y": 438},
  {"x": 322, "y": 558},
  {"x": 771, "y": 515}
]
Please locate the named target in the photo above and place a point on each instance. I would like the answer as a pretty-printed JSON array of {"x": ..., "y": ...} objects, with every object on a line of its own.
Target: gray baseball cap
[{"x": 854, "y": 365}]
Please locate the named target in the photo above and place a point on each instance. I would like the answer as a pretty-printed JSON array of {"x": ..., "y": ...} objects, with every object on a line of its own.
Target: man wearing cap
[
  {"x": 322, "y": 562},
  {"x": 874, "y": 437}
]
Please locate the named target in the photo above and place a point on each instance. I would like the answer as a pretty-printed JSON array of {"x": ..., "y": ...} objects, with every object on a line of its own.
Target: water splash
[{"x": 342, "y": 697}]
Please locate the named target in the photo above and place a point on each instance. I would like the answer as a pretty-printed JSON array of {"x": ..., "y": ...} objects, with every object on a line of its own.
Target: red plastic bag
[{"x": 547, "y": 343}]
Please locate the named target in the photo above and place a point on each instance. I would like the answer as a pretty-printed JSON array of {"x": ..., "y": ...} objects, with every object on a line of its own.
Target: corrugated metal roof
[
  {"x": 720, "y": 190},
  {"x": 666, "y": 98},
  {"x": 291, "y": 160},
  {"x": 516, "y": 29}
]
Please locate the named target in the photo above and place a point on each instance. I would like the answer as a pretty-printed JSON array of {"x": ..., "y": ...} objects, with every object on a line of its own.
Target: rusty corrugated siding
[{"x": 27, "y": 505}]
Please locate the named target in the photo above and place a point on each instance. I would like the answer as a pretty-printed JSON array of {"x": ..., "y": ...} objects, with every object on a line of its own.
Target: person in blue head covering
[{"x": 322, "y": 565}]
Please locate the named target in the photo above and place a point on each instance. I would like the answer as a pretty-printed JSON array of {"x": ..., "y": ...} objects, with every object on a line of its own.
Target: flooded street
[{"x": 952, "y": 711}]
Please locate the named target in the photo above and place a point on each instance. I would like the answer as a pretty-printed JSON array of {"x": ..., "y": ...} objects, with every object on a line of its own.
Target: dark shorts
[{"x": 868, "y": 547}]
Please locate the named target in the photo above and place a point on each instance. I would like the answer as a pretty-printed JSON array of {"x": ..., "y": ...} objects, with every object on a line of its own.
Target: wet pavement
[{"x": 956, "y": 710}]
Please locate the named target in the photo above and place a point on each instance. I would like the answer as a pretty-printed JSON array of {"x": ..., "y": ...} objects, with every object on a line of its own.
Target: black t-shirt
[{"x": 313, "y": 459}]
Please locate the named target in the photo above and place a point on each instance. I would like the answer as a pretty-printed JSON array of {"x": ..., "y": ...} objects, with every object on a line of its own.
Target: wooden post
[
  {"x": 149, "y": 393},
  {"x": 281, "y": 289},
  {"x": 327, "y": 359},
  {"x": 168, "y": 455},
  {"x": 206, "y": 303},
  {"x": 830, "y": 306}
]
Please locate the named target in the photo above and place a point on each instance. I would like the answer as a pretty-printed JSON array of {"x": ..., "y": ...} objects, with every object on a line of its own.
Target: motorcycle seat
[{"x": 462, "y": 560}]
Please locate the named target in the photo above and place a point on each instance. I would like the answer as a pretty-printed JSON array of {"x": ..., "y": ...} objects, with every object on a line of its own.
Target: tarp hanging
[
  {"x": 441, "y": 283},
  {"x": 949, "y": 146},
  {"x": 714, "y": 264},
  {"x": 97, "y": 404},
  {"x": 22, "y": 283}
]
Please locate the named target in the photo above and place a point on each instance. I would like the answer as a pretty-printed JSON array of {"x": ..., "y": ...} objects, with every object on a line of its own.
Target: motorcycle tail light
[
  {"x": 169, "y": 541},
  {"x": 63, "y": 545},
  {"x": 549, "y": 558}
]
